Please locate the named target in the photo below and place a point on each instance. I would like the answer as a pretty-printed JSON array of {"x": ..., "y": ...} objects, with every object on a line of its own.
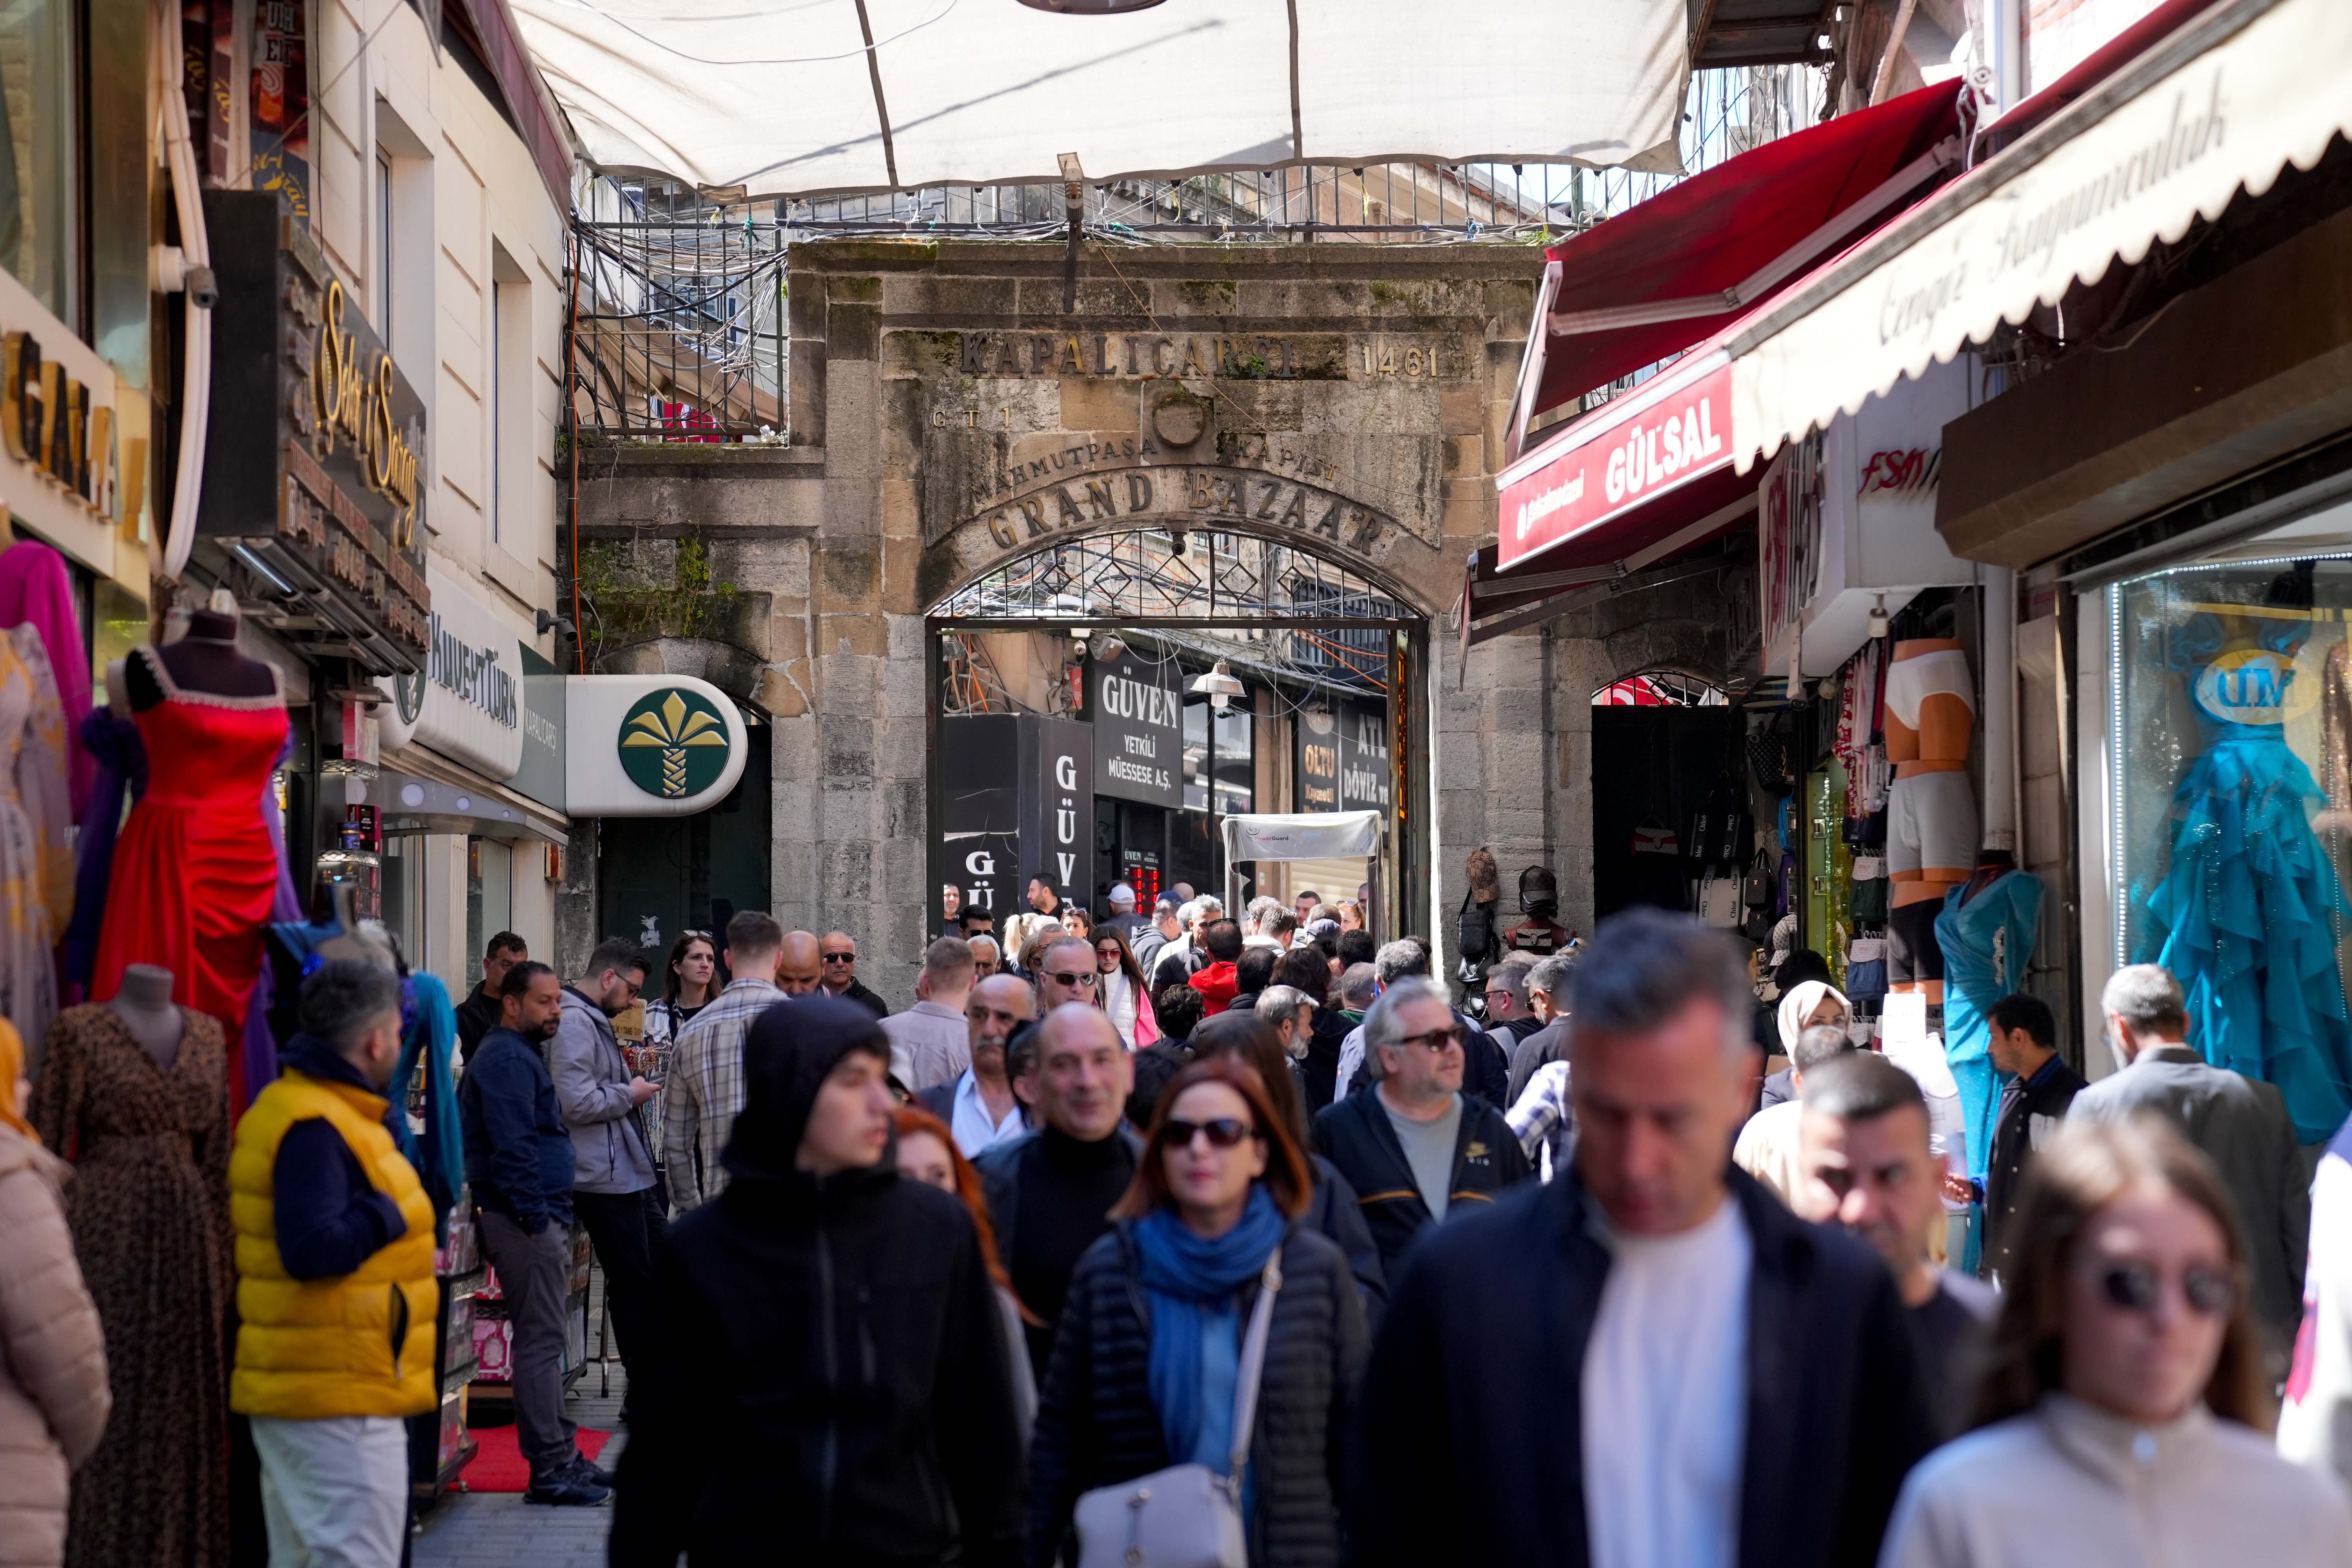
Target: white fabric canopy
[
  {"x": 2226, "y": 103},
  {"x": 1303, "y": 835},
  {"x": 784, "y": 96}
]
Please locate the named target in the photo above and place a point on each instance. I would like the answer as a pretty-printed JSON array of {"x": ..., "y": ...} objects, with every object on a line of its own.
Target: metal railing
[{"x": 679, "y": 323}]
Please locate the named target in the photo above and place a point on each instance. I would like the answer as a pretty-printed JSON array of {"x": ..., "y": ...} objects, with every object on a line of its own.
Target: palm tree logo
[{"x": 672, "y": 743}]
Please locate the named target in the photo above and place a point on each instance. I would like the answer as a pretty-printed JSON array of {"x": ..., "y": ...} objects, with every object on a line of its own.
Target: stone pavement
[{"x": 498, "y": 1530}]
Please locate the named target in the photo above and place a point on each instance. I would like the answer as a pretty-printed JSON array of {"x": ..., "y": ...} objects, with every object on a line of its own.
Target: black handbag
[{"x": 1768, "y": 755}]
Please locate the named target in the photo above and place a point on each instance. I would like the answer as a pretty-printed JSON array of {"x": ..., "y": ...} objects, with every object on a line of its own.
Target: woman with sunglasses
[
  {"x": 1121, "y": 990},
  {"x": 1147, "y": 1357},
  {"x": 2120, "y": 1416}
]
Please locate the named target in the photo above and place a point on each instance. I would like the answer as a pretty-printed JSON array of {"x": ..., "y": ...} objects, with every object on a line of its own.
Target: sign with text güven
[{"x": 1559, "y": 492}]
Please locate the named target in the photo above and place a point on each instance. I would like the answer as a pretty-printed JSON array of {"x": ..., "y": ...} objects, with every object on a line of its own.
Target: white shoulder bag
[{"x": 1186, "y": 1516}]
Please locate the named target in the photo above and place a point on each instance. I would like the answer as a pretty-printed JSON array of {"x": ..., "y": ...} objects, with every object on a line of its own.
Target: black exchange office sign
[{"x": 1138, "y": 719}]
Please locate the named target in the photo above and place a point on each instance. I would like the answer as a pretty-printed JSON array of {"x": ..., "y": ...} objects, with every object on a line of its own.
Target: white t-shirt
[{"x": 1665, "y": 1397}]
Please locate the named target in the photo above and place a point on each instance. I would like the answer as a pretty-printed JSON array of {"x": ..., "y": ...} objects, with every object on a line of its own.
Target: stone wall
[{"x": 946, "y": 416}]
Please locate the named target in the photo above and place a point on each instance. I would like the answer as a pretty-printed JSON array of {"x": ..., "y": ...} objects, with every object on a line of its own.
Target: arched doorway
[{"x": 1076, "y": 734}]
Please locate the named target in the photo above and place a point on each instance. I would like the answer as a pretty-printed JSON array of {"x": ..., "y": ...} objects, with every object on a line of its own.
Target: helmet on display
[{"x": 1538, "y": 892}]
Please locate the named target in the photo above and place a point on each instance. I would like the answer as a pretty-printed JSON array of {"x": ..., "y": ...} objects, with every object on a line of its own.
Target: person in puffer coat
[
  {"x": 53, "y": 1393},
  {"x": 1146, "y": 1364}
]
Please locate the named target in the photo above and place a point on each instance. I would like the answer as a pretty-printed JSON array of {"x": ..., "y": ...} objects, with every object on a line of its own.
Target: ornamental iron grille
[
  {"x": 1147, "y": 574},
  {"x": 1263, "y": 605}
]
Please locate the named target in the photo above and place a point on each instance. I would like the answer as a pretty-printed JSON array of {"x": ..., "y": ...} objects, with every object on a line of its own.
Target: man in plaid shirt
[{"x": 704, "y": 1091}]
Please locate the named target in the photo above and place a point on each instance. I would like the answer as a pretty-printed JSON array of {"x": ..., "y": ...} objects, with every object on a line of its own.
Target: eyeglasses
[
  {"x": 2138, "y": 1287},
  {"x": 1224, "y": 1131},
  {"x": 1068, "y": 981},
  {"x": 841, "y": 957},
  {"x": 1434, "y": 1040}
]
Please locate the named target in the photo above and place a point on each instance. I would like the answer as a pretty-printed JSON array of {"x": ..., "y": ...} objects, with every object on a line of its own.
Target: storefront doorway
[
  {"x": 1665, "y": 750},
  {"x": 1099, "y": 705}
]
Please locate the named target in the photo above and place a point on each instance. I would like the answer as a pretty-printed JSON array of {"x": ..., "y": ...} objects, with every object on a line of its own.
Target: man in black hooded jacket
[{"x": 828, "y": 1380}]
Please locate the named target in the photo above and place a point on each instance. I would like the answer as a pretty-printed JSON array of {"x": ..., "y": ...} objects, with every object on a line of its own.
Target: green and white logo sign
[{"x": 672, "y": 743}]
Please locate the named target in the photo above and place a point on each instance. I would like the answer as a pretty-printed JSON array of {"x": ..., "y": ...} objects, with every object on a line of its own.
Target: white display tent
[
  {"x": 812, "y": 96},
  {"x": 1299, "y": 835}
]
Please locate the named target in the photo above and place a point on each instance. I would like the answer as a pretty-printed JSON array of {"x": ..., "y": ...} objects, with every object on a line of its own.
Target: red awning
[{"x": 1681, "y": 266}]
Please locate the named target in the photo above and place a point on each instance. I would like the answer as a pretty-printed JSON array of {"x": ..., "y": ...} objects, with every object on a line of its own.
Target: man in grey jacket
[
  {"x": 614, "y": 1189},
  {"x": 2239, "y": 1123}
]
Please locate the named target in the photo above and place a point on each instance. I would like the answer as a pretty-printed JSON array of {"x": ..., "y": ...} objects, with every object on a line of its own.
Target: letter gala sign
[{"x": 1560, "y": 492}]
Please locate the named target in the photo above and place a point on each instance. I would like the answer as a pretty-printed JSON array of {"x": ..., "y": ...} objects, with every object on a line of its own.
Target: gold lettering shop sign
[
  {"x": 48, "y": 419},
  {"x": 346, "y": 392}
]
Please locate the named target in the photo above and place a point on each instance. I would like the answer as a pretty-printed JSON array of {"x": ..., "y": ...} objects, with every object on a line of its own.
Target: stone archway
[{"x": 1331, "y": 651}]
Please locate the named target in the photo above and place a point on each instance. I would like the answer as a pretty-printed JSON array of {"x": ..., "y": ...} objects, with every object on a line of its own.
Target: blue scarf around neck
[{"x": 1193, "y": 1283}]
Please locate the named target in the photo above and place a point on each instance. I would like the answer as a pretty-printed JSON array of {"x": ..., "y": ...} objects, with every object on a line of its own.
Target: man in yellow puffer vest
[{"x": 335, "y": 1294}]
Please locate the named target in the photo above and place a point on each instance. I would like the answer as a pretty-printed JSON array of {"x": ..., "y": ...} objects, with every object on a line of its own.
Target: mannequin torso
[
  {"x": 205, "y": 660},
  {"x": 144, "y": 1005}
]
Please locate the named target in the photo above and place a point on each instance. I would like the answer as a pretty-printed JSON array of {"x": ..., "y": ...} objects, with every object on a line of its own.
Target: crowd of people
[{"x": 1249, "y": 1236}]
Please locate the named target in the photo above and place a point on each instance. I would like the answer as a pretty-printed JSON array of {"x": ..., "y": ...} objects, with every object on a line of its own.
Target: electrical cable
[{"x": 167, "y": 556}]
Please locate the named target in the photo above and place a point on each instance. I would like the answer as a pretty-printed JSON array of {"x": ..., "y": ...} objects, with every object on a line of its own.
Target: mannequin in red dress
[{"x": 195, "y": 866}]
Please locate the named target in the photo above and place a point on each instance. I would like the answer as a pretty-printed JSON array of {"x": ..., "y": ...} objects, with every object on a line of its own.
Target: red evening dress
[{"x": 195, "y": 869}]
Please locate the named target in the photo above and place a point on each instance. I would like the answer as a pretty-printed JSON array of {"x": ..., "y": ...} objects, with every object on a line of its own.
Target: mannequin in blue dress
[{"x": 2242, "y": 914}]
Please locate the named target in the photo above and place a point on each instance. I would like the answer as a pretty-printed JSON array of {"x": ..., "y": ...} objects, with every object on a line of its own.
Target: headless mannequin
[
  {"x": 144, "y": 1005},
  {"x": 204, "y": 660},
  {"x": 1990, "y": 865}
]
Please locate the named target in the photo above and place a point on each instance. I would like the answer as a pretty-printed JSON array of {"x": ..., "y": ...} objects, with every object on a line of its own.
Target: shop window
[
  {"x": 403, "y": 900},
  {"x": 490, "y": 898},
  {"x": 1230, "y": 763},
  {"x": 118, "y": 623},
  {"x": 2231, "y": 812},
  {"x": 40, "y": 179}
]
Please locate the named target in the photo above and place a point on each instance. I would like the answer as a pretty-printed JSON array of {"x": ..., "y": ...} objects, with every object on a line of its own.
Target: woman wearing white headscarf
[{"x": 1802, "y": 1006}]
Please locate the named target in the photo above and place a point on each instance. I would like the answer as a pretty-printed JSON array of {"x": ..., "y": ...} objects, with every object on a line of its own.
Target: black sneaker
[
  {"x": 589, "y": 1470},
  {"x": 566, "y": 1487}
]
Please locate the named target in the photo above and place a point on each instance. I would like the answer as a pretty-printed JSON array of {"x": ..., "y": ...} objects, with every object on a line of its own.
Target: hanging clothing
[
  {"x": 149, "y": 1207},
  {"x": 1987, "y": 943},
  {"x": 196, "y": 870},
  {"x": 254, "y": 1061},
  {"x": 428, "y": 1045},
  {"x": 120, "y": 764},
  {"x": 37, "y": 591},
  {"x": 2247, "y": 910},
  {"x": 35, "y": 822}
]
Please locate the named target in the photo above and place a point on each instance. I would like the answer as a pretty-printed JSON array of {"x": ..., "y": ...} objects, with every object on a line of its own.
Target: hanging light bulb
[
  {"x": 1879, "y": 624},
  {"x": 1218, "y": 686}
]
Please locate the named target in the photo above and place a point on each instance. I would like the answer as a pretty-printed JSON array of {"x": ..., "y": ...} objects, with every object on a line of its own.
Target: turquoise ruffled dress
[{"x": 2242, "y": 915}]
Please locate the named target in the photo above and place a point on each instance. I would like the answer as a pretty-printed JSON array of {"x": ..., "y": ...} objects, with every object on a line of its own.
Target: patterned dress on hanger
[
  {"x": 149, "y": 1208},
  {"x": 36, "y": 858},
  {"x": 195, "y": 866}
]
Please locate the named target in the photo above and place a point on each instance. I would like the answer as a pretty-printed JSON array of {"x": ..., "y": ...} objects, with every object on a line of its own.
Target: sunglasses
[
  {"x": 2138, "y": 1287},
  {"x": 1434, "y": 1040},
  {"x": 1067, "y": 981},
  {"x": 1224, "y": 1132},
  {"x": 841, "y": 957}
]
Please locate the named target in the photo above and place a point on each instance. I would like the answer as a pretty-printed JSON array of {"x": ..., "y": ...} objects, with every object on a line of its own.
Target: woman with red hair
[{"x": 927, "y": 1153}]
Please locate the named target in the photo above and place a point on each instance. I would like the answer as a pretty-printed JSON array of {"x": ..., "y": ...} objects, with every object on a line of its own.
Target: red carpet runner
[{"x": 500, "y": 1465}]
